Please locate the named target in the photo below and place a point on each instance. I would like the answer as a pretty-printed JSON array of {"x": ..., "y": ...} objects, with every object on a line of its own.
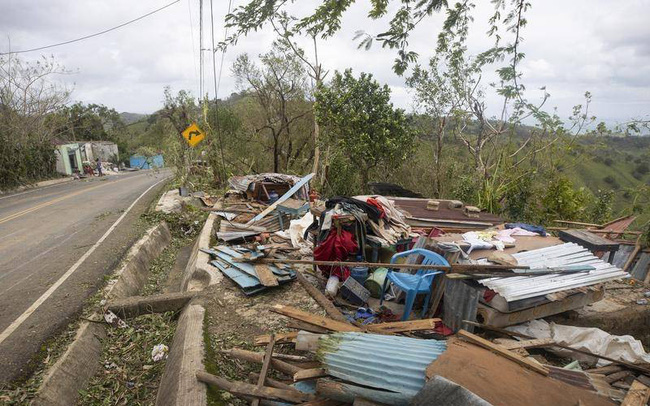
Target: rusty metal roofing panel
[
  {"x": 518, "y": 288},
  {"x": 391, "y": 363}
]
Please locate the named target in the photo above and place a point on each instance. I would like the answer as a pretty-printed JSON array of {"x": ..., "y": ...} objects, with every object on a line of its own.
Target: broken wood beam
[
  {"x": 258, "y": 357},
  {"x": 265, "y": 367},
  {"x": 301, "y": 325},
  {"x": 280, "y": 338},
  {"x": 316, "y": 320},
  {"x": 535, "y": 343},
  {"x": 637, "y": 395},
  {"x": 307, "y": 374},
  {"x": 138, "y": 305},
  {"x": 566, "y": 347},
  {"x": 265, "y": 275},
  {"x": 526, "y": 363},
  {"x": 617, "y": 376},
  {"x": 307, "y": 341},
  {"x": 248, "y": 390},
  {"x": 402, "y": 326},
  {"x": 455, "y": 267},
  {"x": 254, "y": 376},
  {"x": 606, "y": 370},
  {"x": 321, "y": 299}
]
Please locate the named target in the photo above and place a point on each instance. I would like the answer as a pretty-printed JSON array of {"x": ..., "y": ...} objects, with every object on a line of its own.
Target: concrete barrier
[
  {"x": 80, "y": 362},
  {"x": 133, "y": 274},
  {"x": 179, "y": 386},
  {"x": 198, "y": 272}
]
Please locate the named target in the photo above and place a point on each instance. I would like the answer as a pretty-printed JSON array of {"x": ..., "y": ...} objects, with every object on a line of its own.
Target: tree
[
  {"x": 91, "y": 122},
  {"x": 29, "y": 100},
  {"x": 279, "y": 88},
  {"x": 363, "y": 123}
]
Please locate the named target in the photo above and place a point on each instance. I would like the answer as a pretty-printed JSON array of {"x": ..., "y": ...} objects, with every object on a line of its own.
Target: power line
[
  {"x": 223, "y": 51},
  {"x": 91, "y": 35},
  {"x": 216, "y": 100},
  {"x": 201, "y": 74}
]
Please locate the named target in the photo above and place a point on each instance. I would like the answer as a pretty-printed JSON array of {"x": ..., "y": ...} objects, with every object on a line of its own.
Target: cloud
[{"x": 570, "y": 47}]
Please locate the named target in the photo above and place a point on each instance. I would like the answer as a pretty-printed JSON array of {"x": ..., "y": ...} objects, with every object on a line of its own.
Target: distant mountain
[{"x": 130, "y": 118}]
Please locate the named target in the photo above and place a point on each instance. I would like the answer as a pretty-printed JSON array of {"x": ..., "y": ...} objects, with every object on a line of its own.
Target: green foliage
[
  {"x": 362, "y": 123},
  {"x": 602, "y": 206},
  {"x": 562, "y": 200}
]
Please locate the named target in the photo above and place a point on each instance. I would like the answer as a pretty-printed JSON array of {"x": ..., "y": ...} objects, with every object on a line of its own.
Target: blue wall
[{"x": 137, "y": 161}]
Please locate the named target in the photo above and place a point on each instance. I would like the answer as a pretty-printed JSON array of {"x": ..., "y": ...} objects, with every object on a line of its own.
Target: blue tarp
[{"x": 141, "y": 162}]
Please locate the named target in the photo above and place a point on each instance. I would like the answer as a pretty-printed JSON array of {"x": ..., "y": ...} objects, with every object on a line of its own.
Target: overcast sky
[{"x": 571, "y": 47}]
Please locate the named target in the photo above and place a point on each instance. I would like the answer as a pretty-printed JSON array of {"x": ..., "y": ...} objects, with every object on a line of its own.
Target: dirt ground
[{"x": 234, "y": 320}]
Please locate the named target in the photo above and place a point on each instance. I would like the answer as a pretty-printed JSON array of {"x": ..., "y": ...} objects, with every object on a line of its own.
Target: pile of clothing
[{"x": 377, "y": 220}]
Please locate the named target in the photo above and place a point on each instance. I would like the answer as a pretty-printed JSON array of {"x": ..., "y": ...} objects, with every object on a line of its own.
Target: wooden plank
[
  {"x": 458, "y": 268},
  {"x": 246, "y": 389},
  {"x": 313, "y": 319},
  {"x": 295, "y": 188},
  {"x": 638, "y": 395},
  {"x": 607, "y": 369},
  {"x": 320, "y": 298},
  {"x": 258, "y": 357},
  {"x": 538, "y": 342},
  {"x": 280, "y": 338},
  {"x": 630, "y": 259},
  {"x": 403, "y": 326},
  {"x": 254, "y": 376},
  {"x": 307, "y": 374},
  {"x": 526, "y": 363},
  {"x": 301, "y": 325},
  {"x": 261, "y": 381},
  {"x": 566, "y": 347},
  {"x": 307, "y": 341},
  {"x": 265, "y": 275},
  {"x": 617, "y": 376}
]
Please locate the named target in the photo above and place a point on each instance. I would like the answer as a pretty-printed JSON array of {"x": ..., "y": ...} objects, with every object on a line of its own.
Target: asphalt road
[{"x": 43, "y": 234}]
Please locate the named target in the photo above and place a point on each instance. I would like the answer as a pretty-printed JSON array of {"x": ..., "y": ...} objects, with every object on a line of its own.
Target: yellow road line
[{"x": 51, "y": 202}]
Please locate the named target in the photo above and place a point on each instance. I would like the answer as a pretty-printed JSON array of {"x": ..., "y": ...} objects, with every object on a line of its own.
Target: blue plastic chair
[{"x": 414, "y": 284}]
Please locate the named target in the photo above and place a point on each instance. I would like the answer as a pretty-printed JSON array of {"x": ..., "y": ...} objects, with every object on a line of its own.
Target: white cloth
[
  {"x": 296, "y": 232},
  {"x": 594, "y": 340}
]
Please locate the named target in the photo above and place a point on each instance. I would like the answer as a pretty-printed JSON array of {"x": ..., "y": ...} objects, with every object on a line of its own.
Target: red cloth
[
  {"x": 488, "y": 295},
  {"x": 378, "y": 205},
  {"x": 336, "y": 247}
]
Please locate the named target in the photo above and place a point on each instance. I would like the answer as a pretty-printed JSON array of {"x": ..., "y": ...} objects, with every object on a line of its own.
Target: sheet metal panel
[
  {"x": 640, "y": 269},
  {"x": 391, "y": 363},
  {"x": 518, "y": 288},
  {"x": 460, "y": 303}
]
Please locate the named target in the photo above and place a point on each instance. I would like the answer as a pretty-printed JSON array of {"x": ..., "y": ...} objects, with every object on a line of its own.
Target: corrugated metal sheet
[
  {"x": 640, "y": 269},
  {"x": 515, "y": 288},
  {"x": 460, "y": 303},
  {"x": 392, "y": 363}
]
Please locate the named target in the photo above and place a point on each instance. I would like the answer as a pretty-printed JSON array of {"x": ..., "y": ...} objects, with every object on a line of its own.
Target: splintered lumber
[
  {"x": 533, "y": 366},
  {"x": 137, "y": 305},
  {"x": 258, "y": 357},
  {"x": 254, "y": 376},
  {"x": 638, "y": 395},
  {"x": 617, "y": 376},
  {"x": 566, "y": 347},
  {"x": 454, "y": 267},
  {"x": 265, "y": 367},
  {"x": 301, "y": 325},
  {"x": 536, "y": 343},
  {"x": 247, "y": 390},
  {"x": 280, "y": 338},
  {"x": 316, "y": 320},
  {"x": 606, "y": 370},
  {"x": 291, "y": 357},
  {"x": 320, "y": 298},
  {"x": 307, "y": 374},
  {"x": 265, "y": 275},
  {"x": 630, "y": 259},
  {"x": 403, "y": 326}
]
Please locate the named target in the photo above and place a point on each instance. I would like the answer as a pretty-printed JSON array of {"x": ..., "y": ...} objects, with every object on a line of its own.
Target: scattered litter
[
  {"x": 159, "y": 352},
  {"x": 112, "y": 319}
]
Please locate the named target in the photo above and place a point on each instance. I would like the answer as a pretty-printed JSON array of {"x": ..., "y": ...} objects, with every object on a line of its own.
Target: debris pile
[{"x": 406, "y": 285}]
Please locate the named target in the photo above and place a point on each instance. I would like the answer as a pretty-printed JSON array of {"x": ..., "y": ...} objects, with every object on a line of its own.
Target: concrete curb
[
  {"x": 198, "y": 272},
  {"x": 179, "y": 386},
  {"x": 37, "y": 185},
  {"x": 80, "y": 361},
  {"x": 132, "y": 276}
]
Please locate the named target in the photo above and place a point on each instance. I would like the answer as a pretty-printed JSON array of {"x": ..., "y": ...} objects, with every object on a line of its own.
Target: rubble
[{"x": 495, "y": 275}]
